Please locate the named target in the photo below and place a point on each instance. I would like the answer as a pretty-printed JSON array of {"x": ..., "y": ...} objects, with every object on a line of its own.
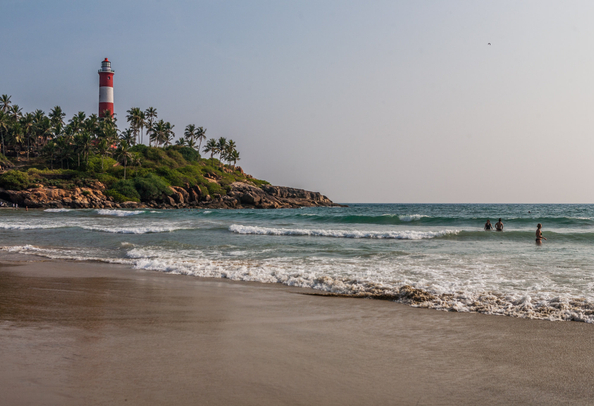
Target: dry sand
[{"x": 96, "y": 334}]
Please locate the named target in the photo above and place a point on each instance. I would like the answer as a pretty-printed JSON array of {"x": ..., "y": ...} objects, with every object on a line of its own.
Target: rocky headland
[{"x": 241, "y": 196}]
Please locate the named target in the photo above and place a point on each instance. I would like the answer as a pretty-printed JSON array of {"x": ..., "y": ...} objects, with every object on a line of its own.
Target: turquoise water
[{"x": 379, "y": 248}]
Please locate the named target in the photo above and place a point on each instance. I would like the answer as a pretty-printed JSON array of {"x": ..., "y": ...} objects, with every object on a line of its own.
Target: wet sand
[{"x": 96, "y": 334}]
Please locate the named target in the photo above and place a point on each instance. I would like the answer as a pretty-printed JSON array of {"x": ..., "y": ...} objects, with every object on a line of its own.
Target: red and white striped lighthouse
[{"x": 105, "y": 88}]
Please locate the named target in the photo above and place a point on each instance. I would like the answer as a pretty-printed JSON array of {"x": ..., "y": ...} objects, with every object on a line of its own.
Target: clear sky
[{"x": 364, "y": 101}]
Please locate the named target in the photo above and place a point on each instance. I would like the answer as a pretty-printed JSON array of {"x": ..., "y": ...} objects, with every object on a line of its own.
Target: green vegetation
[{"x": 45, "y": 150}]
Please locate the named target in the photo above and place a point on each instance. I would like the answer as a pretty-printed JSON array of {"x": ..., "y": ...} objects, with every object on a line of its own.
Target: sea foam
[
  {"x": 132, "y": 230},
  {"x": 397, "y": 235},
  {"x": 118, "y": 213}
]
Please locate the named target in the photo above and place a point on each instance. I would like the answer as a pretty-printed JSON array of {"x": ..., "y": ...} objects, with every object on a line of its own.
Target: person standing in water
[
  {"x": 499, "y": 225},
  {"x": 539, "y": 236},
  {"x": 488, "y": 225}
]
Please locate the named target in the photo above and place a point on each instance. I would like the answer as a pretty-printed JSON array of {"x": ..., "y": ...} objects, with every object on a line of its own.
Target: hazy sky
[{"x": 364, "y": 101}]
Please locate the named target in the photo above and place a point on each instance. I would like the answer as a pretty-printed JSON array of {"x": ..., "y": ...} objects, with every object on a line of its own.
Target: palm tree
[
  {"x": 128, "y": 136},
  {"x": 123, "y": 154},
  {"x": 200, "y": 136},
  {"x": 169, "y": 134},
  {"x": 4, "y": 125},
  {"x": 234, "y": 157},
  {"x": 150, "y": 115},
  {"x": 56, "y": 115},
  {"x": 190, "y": 132},
  {"x": 158, "y": 131},
  {"x": 180, "y": 142},
  {"x": 103, "y": 148},
  {"x": 5, "y": 102},
  {"x": 221, "y": 148},
  {"x": 211, "y": 147},
  {"x": 134, "y": 118},
  {"x": 43, "y": 130},
  {"x": 63, "y": 145},
  {"x": 15, "y": 111},
  {"x": 229, "y": 148},
  {"x": 27, "y": 124},
  {"x": 139, "y": 117},
  {"x": 49, "y": 151},
  {"x": 191, "y": 144},
  {"x": 83, "y": 144},
  {"x": 91, "y": 124}
]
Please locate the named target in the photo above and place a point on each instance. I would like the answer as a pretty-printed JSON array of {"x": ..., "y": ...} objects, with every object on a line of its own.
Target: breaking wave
[
  {"x": 118, "y": 213},
  {"x": 57, "y": 210},
  {"x": 132, "y": 230},
  {"x": 397, "y": 235},
  {"x": 518, "y": 304}
]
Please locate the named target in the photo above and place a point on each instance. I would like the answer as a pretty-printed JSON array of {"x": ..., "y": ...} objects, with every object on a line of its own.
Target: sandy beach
[{"x": 90, "y": 333}]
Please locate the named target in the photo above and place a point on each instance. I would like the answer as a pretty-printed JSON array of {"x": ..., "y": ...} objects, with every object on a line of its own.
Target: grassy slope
[{"x": 157, "y": 170}]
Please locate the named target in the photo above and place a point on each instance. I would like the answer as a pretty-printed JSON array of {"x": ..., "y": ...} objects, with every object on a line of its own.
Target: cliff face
[{"x": 242, "y": 195}]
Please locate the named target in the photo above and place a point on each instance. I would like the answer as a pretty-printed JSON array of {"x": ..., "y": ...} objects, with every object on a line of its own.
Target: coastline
[{"x": 86, "y": 332}]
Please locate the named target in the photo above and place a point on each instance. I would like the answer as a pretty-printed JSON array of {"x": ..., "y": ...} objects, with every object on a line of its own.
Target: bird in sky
[{"x": 489, "y": 43}]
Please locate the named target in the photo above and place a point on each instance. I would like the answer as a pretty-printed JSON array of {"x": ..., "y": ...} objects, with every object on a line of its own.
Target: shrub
[
  {"x": 189, "y": 154},
  {"x": 14, "y": 180},
  {"x": 151, "y": 187},
  {"x": 176, "y": 156},
  {"x": 214, "y": 188},
  {"x": 106, "y": 179},
  {"x": 172, "y": 176},
  {"x": 118, "y": 197},
  {"x": 126, "y": 188},
  {"x": 95, "y": 164},
  {"x": 259, "y": 182}
]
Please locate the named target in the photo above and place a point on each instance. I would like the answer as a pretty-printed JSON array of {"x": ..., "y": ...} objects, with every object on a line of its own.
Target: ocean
[{"x": 439, "y": 252}]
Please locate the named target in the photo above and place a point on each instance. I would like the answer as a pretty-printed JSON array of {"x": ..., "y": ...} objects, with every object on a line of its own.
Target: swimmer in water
[
  {"x": 539, "y": 236},
  {"x": 499, "y": 225},
  {"x": 488, "y": 225}
]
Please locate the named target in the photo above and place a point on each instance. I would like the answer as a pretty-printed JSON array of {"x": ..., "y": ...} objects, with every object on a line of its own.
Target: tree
[
  {"x": 49, "y": 151},
  {"x": 15, "y": 111},
  {"x": 103, "y": 149},
  {"x": 229, "y": 149},
  {"x": 128, "y": 136},
  {"x": 221, "y": 148},
  {"x": 136, "y": 119},
  {"x": 56, "y": 116},
  {"x": 158, "y": 131},
  {"x": 4, "y": 125},
  {"x": 200, "y": 136},
  {"x": 190, "y": 132},
  {"x": 211, "y": 148},
  {"x": 5, "y": 103},
  {"x": 123, "y": 154},
  {"x": 234, "y": 157},
  {"x": 83, "y": 144},
  {"x": 27, "y": 125},
  {"x": 150, "y": 115},
  {"x": 169, "y": 134}
]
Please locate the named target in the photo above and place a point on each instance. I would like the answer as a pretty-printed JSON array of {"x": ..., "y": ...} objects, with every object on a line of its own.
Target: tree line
[{"x": 71, "y": 143}]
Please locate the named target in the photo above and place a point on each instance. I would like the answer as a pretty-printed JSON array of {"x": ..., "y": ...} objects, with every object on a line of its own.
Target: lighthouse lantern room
[{"x": 105, "y": 88}]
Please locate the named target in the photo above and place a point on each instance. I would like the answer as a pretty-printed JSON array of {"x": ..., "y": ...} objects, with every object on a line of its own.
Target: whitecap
[
  {"x": 398, "y": 235},
  {"x": 411, "y": 217},
  {"x": 118, "y": 213},
  {"x": 132, "y": 230},
  {"x": 57, "y": 210}
]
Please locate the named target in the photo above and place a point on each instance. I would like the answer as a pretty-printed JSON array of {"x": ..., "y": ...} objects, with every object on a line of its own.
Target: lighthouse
[{"x": 105, "y": 88}]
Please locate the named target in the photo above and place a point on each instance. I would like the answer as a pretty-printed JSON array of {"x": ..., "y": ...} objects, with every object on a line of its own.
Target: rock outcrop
[{"x": 241, "y": 196}]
